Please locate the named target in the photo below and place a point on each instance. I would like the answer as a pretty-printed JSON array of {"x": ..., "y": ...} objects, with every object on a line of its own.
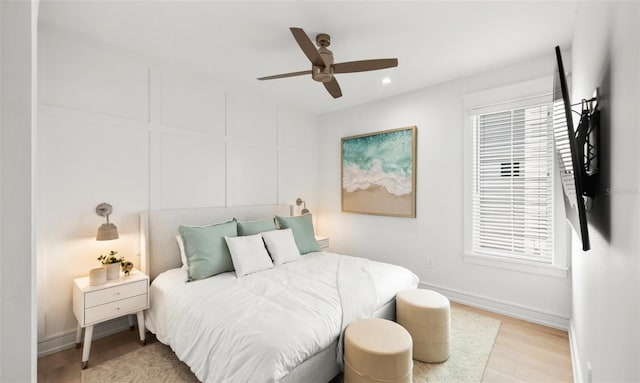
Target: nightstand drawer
[
  {"x": 111, "y": 294},
  {"x": 115, "y": 309}
]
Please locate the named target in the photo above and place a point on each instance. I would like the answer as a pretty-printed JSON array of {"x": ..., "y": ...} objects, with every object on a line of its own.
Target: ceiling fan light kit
[
  {"x": 322, "y": 64},
  {"x": 321, "y": 74}
]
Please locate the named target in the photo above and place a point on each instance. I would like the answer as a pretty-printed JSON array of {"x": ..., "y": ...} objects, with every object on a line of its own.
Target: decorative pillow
[
  {"x": 256, "y": 227},
  {"x": 248, "y": 254},
  {"x": 281, "y": 246},
  {"x": 206, "y": 250},
  {"x": 302, "y": 227},
  {"x": 183, "y": 256}
]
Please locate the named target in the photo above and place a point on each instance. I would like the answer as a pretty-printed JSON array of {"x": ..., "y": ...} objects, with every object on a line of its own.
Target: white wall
[
  {"x": 605, "y": 319},
  {"x": 18, "y": 58},
  {"x": 437, "y": 231},
  {"x": 141, "y": 135}
]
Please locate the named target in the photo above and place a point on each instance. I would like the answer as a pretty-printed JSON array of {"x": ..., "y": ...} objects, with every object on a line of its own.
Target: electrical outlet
[{"x": 429, "y": 263}]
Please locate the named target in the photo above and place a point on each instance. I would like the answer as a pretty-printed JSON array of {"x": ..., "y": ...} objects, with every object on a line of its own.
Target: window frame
[{"x": 529, "y": 93}]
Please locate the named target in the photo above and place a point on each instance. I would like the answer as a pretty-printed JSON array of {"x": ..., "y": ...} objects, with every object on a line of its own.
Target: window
[{"x": 512, "y": 184}]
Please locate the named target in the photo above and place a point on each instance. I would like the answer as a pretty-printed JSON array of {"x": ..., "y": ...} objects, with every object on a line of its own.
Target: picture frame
[{"x": 378, "y": 173}]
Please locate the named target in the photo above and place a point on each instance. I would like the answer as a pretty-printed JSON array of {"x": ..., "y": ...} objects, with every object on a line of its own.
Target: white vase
[
  {"x": 113, "y": 270},
  {"x": 97, "y": 276}
]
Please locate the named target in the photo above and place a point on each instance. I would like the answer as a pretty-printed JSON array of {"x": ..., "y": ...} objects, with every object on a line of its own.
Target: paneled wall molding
[
  {"x": 144, "y": 135},
  {"x": 251, "y": 119},
  {"x": 191, "y": 133},
  {"x": 188, "y": 101},
  {"x": 68, "y": 114}
]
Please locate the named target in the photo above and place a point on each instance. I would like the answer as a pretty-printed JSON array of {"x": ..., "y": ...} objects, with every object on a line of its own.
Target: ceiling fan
[{"x": 322, "y": 66}]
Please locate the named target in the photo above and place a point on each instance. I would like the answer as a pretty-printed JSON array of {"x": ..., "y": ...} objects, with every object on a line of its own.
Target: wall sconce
[
  {"x": 106, "y": 231},
  {"x": 304, "y": 210}
]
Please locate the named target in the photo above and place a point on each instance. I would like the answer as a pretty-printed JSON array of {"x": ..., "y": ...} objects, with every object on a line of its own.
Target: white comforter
[{"x": 259, "y": 327}]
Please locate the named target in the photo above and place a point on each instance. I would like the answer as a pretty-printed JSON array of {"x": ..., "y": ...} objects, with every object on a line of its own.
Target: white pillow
[
  {"x": 183, "y": 256},
  {"x": 282, "y": 246},
  {"x": 248, "y": 254}
]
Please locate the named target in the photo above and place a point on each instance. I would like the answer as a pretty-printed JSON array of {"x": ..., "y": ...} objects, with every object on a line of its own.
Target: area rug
[
  {"x": 153, "y": 363},
  {"x": 473, "y": 336}
]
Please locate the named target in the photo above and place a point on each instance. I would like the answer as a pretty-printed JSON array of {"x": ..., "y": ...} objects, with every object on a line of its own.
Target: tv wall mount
[{"x": 587, "y": 138}]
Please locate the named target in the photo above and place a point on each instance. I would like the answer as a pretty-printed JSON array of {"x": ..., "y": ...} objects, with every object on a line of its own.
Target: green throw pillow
[
  {"x": 206, "y": 250},
  {"x": 302, "y": 227},
  {"x": 256, "y": 227}
]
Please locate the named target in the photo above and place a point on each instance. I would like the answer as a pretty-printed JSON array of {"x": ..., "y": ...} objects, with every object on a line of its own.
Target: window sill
[{"x": 517, "y": 265}]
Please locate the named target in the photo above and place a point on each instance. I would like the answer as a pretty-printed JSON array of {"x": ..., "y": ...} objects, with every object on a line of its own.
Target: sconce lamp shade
[{"x": 107, "y": 231}]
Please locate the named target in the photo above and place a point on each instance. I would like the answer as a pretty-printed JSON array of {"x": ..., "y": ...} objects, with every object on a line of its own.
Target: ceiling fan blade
[
  {"x": 333, "y": 88},
  {"x": 364, "y": 65},
  {"x": 292, "y": 74},
  {"x": 307, "y": 46}
]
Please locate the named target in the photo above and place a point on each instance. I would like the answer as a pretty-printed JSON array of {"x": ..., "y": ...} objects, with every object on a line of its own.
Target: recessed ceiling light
[{"x": 386, "y": 80}]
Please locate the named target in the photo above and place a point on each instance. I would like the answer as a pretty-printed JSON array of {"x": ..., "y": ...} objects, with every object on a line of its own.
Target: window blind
[{"x": 512, "y": 199}]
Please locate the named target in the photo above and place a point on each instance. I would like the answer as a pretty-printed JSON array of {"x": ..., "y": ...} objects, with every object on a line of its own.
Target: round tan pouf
[
  {"x": 376, "y": 351},
  {"x": 426, "y": 315}
]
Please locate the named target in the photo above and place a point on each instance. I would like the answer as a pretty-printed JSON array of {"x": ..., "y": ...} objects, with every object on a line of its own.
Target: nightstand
[
  {"x": 116, "y": 298},
  {"x": 323, "y": 242}
]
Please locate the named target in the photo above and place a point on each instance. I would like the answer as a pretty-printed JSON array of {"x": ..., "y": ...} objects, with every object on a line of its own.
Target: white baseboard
[
  {"x": 501, "y": 307},
  {"x": 67, "y": 339},
  {"x": 575, "y": 356}
]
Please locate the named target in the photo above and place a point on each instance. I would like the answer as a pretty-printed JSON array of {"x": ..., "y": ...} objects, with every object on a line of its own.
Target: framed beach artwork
[{"x": 379, "y": 173}]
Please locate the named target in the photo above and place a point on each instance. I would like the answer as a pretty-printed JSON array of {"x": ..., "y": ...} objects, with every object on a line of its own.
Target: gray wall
[
  {"x": 18, "y": 21},
  {"x": 606, "y": 280}
]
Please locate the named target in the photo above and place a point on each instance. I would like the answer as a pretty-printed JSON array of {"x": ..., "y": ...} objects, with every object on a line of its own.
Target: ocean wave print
[{"x": 384, "y": 160}]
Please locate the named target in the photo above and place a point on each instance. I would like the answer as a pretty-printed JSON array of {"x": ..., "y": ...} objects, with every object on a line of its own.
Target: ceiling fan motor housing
[
  {"x": 323, "y": 40},
  {"x": 321, "y": 74}
]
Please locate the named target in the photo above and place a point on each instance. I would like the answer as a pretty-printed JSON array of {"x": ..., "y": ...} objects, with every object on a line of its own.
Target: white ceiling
[{"x": 236, "y": 42}]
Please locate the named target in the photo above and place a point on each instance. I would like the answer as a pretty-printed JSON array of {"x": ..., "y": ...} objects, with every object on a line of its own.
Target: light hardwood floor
[
  {"x": 523, "y": 352},
  {"x": 526, "y": 352}
]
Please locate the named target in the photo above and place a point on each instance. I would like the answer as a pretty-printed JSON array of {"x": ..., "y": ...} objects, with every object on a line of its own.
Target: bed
[{"x": 278, "y": 325}]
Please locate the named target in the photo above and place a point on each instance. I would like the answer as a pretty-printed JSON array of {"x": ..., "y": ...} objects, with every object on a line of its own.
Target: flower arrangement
[
  {"x": 111, "y": 258},
  {"x": 126, "y": 266}
]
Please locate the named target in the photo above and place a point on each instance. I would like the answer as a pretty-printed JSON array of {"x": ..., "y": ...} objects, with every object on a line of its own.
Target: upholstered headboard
[{"x": 158, "y": 228}]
